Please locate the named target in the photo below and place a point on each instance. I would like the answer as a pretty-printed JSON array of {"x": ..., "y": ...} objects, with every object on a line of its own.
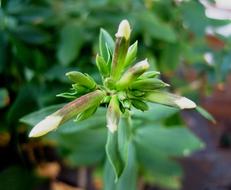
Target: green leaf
[
  {"x": 156, "y": 145},
  {"x": 124, "y": 134},
  {"x": 128, "y": 179},
  {"x": 156, "y": 112},
  {"x": 71, "y": 41},
  {"x": 117, "y": 146},
  {"x": 205, "y": 114},
  {"x": 113, "y": 154},
  {"x": 131, "y": 54},
  {"x": 31, "y": 34},
  {"x": 4, "y": 97},
  {"x": 106, "y": 43},
  {"x": 170, "y": 57},
  {"x": 28, "y": 95},
  {"x": 82, "y": 147},
  {"x": 102, "y": 66},
  {"x": 33, "y": 118},
  {"x": 193, "y": 14},
  {"x": 174, "y": 141},
  {"x": 154, "y": 27}
]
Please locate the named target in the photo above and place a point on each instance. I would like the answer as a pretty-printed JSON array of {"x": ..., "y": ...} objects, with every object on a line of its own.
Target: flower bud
[
  {"x": 148, "y": 84},
  {"x": 113, "y": 114},
  {"x": 149, "y": 74},
  {"x": 132, "y": 74},
  {"x": 67, "y": 112},
  {"x": 124, "y": 30},
  {"x": 169, "y": 100},
  {"x": 81, "y": 79},
  {"x": 139, "y": 104}
]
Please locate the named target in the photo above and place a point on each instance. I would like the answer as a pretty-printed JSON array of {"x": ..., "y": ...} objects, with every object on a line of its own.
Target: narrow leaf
[
  {"x": 205, "y": 114},
  {"x": 105, "y": 42}
]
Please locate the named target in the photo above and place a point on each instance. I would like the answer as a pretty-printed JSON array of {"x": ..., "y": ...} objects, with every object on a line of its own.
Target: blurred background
[{"x": 188, "y": 41}]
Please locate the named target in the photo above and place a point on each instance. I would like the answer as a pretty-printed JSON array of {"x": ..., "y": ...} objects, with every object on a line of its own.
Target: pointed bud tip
[
  {"x": 124, "y": 30},
  {"x": 144, "y": 63},
  {"x": 185, "y": 103},
  {"x": 43, "y": 127}
]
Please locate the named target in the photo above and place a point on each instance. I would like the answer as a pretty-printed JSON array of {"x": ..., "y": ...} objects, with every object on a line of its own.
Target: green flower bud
[
  {"x": 102, "y": 66},
  {"x": 80, "y": 89},
  {"x": 149, "y": 74},
  {"x": 81, "y": 79},
  {"x": 148, "y": 84},
  {"x": 136, "y": 93},
  {"x": 113, "y": 114},
  {"x": 139, "y": 104},
  {"x": 169, "y": 99},
  {"x": 132, "y": 74}
]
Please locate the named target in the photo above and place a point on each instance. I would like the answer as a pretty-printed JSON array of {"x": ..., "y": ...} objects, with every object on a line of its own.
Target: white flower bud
[
  {"x": 50, "y": 123},
  {"x": 185, "y": 103},
  {"x": 113, "y": 114},
  {"x": 124, "y": 30}
]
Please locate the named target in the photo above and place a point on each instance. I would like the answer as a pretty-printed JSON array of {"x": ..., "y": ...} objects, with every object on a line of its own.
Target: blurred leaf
[
  {"x": 156, "y": 112},
  {"x": 4, "y": 97},
  {"x": 194, "y": 17},
  {"x": 83, "y": 147},
  {"x": 25, "y": 102},
  {"x": 205, "y": 114},
  {"x": 151, "y": 25},
  {"x": 226, "y": 66},
  {"x": 31, "y": 34},
  {"x": 3, "y": 49},
  {"x": 33, "y": 118},
  {"x": 31, "y": 14},
  {"x": 57, "y": 72},
  {"x": 170, "y": 57},
  {"x": 71, "y": 41},
  {"x": 174, "y": 141},
  {"x": 17, "y": 178}
]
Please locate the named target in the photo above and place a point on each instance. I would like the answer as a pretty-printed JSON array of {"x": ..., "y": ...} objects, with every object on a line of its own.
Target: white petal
[
  {"x": 43, "y": 127},
  {"x": 124, "y": 30},
  {"x": 185, "y": 103},
  {"x": 112, "y": 126}
]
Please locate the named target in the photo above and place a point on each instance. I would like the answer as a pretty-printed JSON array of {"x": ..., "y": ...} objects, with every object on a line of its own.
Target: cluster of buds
[{"x": 125, "y": 86}]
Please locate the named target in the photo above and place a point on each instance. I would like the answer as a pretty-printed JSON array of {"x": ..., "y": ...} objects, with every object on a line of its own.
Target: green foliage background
[{"x": 41, "y": 40}]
